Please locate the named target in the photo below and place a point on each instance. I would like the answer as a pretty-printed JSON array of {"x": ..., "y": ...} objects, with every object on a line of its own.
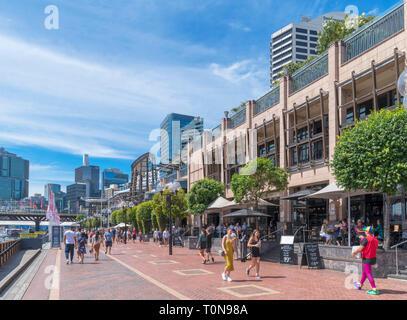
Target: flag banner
[{"x": 52, "y": 212}]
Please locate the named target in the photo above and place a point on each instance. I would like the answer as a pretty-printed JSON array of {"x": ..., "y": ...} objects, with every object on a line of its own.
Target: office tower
[
  {"x": 88, "y": 175},
  {"x": 176, "y": 130},
  {"x": 59, "y": 195},
  {"x": 14, "y": 175},
  {"x": 296, "y": 42},
  {"x": 113, "y": 176},
  {"x": 75, "y": 193}
]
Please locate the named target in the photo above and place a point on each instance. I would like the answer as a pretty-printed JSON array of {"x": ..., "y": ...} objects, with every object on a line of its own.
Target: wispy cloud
[{"x": 238, "y": 26}]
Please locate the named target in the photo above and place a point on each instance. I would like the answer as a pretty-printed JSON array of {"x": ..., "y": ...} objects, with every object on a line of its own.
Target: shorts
[
  {"x": 208, "y": 250},
  {"x": 108, "y": 244}
]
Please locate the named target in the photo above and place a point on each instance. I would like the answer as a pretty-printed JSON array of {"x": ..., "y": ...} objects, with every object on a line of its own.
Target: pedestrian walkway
[{"x": 145, "y": 271}]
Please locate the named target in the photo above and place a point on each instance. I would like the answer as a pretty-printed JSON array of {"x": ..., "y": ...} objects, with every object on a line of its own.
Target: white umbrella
[
  {"x": 122, "y": 225},
  {"x": 332, "y": 191}
]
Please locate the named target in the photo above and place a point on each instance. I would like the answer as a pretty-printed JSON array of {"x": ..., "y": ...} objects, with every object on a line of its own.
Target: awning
[
  {"x": 261, "y": 202},
  {"x": 298, "y": 195},
  {"x": 245, "y": 213},
  {"x": 332, "y": 191},
  {"x": 220, "y": 203}
]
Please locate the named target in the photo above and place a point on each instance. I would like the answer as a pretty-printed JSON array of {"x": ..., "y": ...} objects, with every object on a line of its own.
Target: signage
[
  {"x": 287, "y": 254},
  {"x": 56, "y": 237},
  {"x": 311, "y": 256},
  {"x": 28, "y": 235},
  {"x": 287, "y": 240}
]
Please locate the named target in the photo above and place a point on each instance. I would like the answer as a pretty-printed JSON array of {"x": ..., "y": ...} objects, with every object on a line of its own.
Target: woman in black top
[
  {"x": 255, "y": 245},
  {"x": 202, "y": 244}
]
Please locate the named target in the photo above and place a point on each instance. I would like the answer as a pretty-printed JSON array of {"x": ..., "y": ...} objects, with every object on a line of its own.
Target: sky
[{"x": 103, "y": 82}]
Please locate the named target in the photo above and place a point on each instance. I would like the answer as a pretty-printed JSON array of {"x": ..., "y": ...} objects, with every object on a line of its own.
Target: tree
[
  {"x": 159, "y": 211},
  {"x": 80, "y": 217},
  {"x": 113, "y": 217},
  {"x": 144, "y": 211},
  {"x": 334, "y": 30},
  {"x": 259, "y": 177},
  {"x": 202, "y": 193},
  {"x": 132, "y": 216},
  {"x": 119, "y": 216},
  {"x": 372, "y": 156}
]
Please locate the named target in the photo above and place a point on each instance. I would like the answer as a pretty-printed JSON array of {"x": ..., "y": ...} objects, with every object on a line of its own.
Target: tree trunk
[{"x": 386, "y": 224}]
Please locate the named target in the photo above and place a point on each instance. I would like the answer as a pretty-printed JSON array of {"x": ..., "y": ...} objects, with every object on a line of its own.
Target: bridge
[{"x": 32, "y": 215}]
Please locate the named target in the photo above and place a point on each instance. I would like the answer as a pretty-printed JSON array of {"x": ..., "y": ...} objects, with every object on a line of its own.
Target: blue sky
[{"x": 103, "y": 81}]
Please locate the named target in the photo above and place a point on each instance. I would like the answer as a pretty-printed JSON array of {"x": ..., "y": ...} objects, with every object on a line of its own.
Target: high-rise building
[
  {"x": 75, "y": 193},
  {"x": 296, "y": 42},
  {"x": 14, "y": 175},
  {"x": 113, "y": 176},
  {"x": 88, "y": 175},
  {"x": 176, "y": 131}
]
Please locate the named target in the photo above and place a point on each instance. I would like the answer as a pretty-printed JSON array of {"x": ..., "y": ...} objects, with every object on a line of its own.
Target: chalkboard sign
[
  {"x": 178, "y": 241},
  {"x": 310, "y": 255},
  {"x": 56, "y": 236},
  {"x": 287, "y": 254}
]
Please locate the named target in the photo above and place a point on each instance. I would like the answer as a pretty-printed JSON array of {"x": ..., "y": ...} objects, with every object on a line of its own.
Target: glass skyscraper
[
  {"x": 113, "y": 176},
  {"x": 14, "y": 175},
  {"x": 89, "y": 175}
]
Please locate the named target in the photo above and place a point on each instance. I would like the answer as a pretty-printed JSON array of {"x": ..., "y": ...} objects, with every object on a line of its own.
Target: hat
[
  {"x": 368, "y": 229},
  {"x": 233, "y": 235}
]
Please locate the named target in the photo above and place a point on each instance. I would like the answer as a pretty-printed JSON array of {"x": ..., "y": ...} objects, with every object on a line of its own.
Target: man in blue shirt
[{"x": 108, "y": 241}]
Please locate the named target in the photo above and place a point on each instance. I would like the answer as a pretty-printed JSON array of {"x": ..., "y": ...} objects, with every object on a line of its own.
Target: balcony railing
[
  {"x": 270, "y": 99},
  {"x": 312, "y": 71},
  {"x": 216, "y": 132},
  {"x": 374, "y": 32},
  {"x": 238, "y": 118}
]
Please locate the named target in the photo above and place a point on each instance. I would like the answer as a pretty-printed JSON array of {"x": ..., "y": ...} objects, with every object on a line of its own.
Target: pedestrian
[
  {"x": 379, "y": 231},
  {"x": 78, "y": 235},
  {"x": 209, "y": 235},
  {"x": 81, "y": 246},
  {"x": 108, "y": 241},
  {"x": 166, "y": 236},
  {"x": 255, "y": 244},
  {"x": 140, "y": 236},
  {"x": 134, "y": 235},
  {"x": 97, "y": 241},
  {"x": 155, "y": 236},
  {"x": 368, "y": 248},
  {"x": 119, "y": 236},
  {"x": 228, "y": 246},
  {"x": 70, "y": 243},
  {"x": 201, "y": 244}
]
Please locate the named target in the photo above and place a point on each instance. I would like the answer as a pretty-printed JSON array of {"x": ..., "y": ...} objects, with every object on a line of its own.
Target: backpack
[{"x": 82, "y": 242}]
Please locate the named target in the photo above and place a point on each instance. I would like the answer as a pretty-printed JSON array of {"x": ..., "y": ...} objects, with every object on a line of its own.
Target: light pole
[{"x": 174, "y": 187}]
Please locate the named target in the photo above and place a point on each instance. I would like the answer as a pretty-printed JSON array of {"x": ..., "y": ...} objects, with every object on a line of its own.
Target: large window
[{"x": 301, "y": 37}]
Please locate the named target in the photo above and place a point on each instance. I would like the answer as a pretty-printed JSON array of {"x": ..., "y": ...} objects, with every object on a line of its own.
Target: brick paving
[{"x": 138, "y": 277}]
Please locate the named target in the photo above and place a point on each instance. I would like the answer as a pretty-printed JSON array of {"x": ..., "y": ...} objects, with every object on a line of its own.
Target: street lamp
[{"x": 174, "y": 187}]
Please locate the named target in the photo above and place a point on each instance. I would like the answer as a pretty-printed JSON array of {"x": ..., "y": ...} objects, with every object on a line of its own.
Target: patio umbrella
[{"x": 246, "y": 213}]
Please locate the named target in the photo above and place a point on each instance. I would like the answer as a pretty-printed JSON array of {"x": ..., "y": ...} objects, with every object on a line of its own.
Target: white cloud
[
  {"x": 75, "y": 106},
  {"x": 238, "y": 26}
]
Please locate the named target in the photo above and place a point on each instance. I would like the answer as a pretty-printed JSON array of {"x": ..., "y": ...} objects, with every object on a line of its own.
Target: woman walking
[
  {"x": 96, "y": 240},
  {"x": 140, "y": 236},
  {"x": 82, "y": 247},
  {"x": 201, "y": 245},
  {"x": 209, "y": 235},
  {"x": 255, "y": 245},
  {"x": 228, "y": 246},
  {"x": 134, "y": 235}
]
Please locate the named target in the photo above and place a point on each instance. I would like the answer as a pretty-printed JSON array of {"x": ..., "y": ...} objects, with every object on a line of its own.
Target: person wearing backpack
[{"x": 82, "y": 246}]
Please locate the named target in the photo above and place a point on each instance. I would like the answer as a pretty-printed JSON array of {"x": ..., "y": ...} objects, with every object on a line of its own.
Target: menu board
[
  {"x": 287, "y": 254},
  {"x": 311, "y": 256}
]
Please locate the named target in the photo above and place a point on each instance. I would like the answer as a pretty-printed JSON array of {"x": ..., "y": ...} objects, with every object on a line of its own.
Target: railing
[
  {"x": 397, "y": 259},
  {"x": 238, "y": 118},
  {"x": 313, "y": 70},
  {"x": 7, "y": 249},
  {"x": 270, "y": 99},
  {"x": 374, "y": 32},
  {"x": 216, "y": 132}
]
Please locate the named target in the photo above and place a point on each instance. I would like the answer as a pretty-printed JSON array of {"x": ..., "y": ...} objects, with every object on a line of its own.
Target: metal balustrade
[
  {"x": 270, "y": 99},
  {"x": 374, "y": 32},
  {"x": 238, "y": 118},
  {"x": 312, "y": 71}
]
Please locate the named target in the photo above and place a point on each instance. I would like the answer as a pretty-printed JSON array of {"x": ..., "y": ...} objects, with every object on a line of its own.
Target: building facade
[
  {"x": 59, "y": 195},
  {"x": 88, "y": 175},
  {"x": 75, "y": 195},
  {"x": 296, "y": 42},
  {"x": 14, "y": 175},
  {"x": 113, "y": 176},
  {"x": 296, "y": 124}
]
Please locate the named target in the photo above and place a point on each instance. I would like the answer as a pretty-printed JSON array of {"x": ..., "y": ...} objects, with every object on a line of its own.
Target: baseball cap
[{"x": 368, "y": 229}]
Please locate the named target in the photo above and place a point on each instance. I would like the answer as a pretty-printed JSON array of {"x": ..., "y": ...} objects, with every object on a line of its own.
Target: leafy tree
[
  {"x": 372, "y": 156},
  {"x": 159, "y": 213},
  {"x": 113, "y": 217},
  {"x": 202, "y": 193},
  {"x": 144, "y": 211},
  {"x": 259, "y": 177},
  {"x": 132, "y": 216},
  {"x": 119, "y": 216},
  {"x": 80, "y": 217},
  {"x": 334, "y": 31},
  {"x": 95, "y": 222}
]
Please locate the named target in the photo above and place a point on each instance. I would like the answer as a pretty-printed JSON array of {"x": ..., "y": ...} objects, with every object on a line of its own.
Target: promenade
[{"x": 145, "y": 271}]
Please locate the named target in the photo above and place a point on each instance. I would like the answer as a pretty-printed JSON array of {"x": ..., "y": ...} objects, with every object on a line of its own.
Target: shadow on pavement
[{"x": 387, "y": 291}]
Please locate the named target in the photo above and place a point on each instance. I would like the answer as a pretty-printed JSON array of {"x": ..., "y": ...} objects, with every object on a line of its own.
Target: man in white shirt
[{"x": 70, "y": 244}]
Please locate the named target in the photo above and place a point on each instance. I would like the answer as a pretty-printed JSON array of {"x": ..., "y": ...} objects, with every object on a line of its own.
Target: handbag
[{"x": 221, "y": 252}]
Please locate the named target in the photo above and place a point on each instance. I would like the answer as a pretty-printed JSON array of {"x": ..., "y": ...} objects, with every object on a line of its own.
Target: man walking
[
  {"x": 108, "y": 241},
  {"x": 368, "y": 248},
  {"x": 70, "y": 244}
]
